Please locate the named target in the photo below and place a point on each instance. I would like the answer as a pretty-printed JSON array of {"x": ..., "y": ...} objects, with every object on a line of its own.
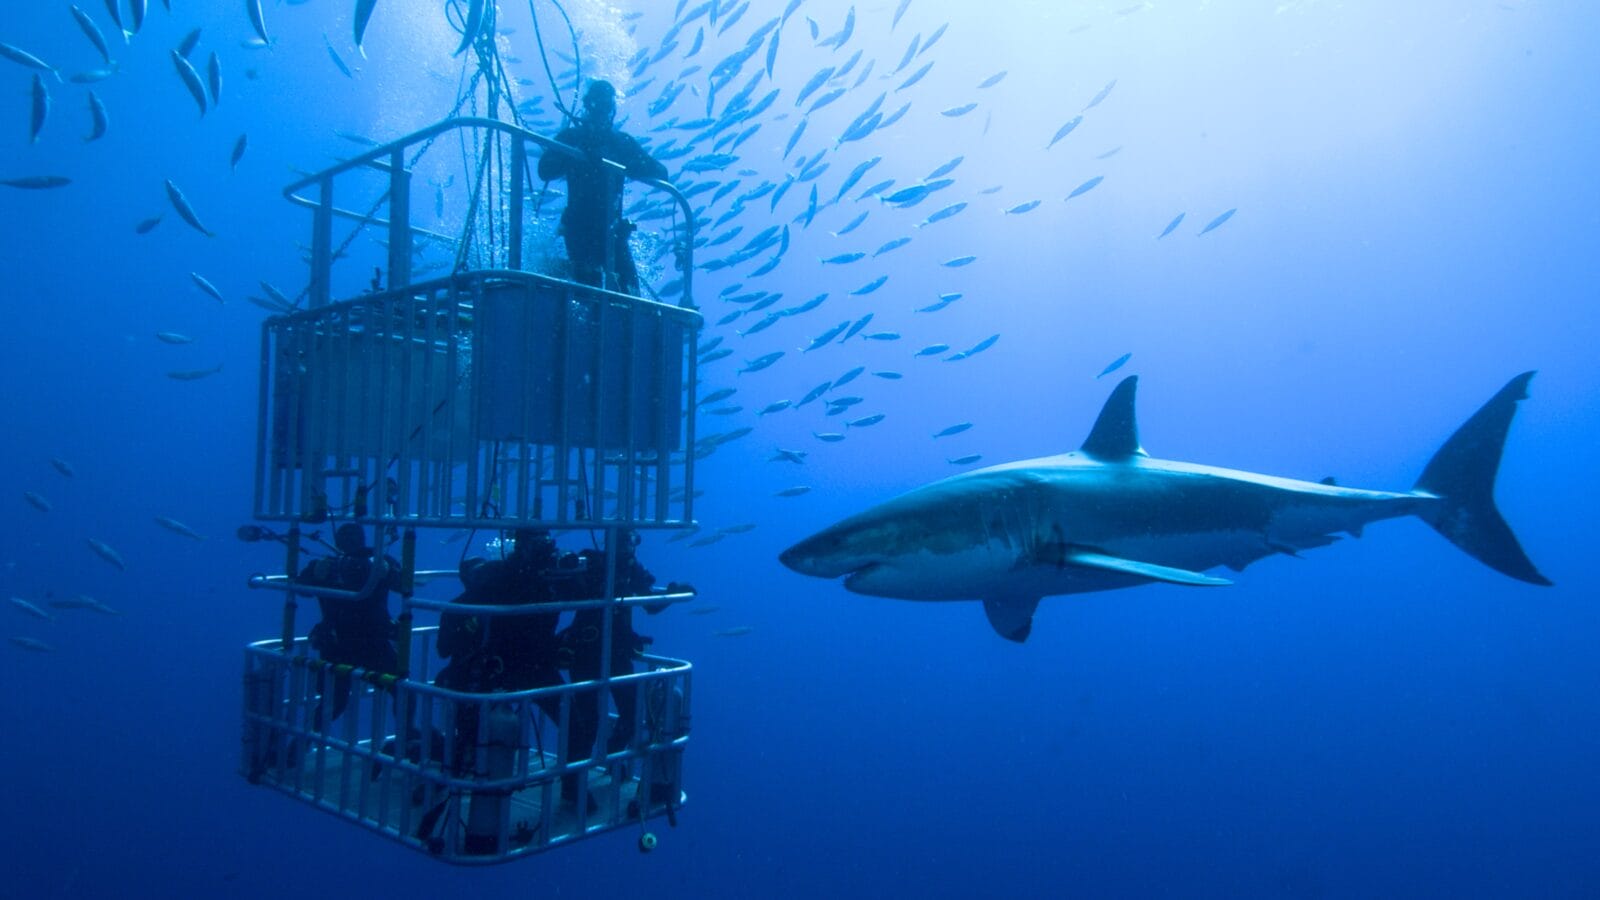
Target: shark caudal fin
[{"x": 1462, "y": 475}]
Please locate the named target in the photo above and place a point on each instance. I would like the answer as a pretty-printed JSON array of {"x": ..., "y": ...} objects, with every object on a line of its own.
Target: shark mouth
[{"x": 852, "y": 581}]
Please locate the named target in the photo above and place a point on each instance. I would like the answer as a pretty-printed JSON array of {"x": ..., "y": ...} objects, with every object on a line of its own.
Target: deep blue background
[{"x": 1417, "y": 223}]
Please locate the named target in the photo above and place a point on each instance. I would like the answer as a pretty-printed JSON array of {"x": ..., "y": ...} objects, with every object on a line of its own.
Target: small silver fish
[
  {"x": 105, "y": 552},
  {"x": 83, "y": 601},
  {"x": 194, "y": 374},
  {"x": 37, "y": 182},
  {"x": 34, "y": 644},
  {"x": 92, "y": 32},
  {"x": 965, "y": 460},
  {"x": 1218, "y": 220},
  {"x": 363, "y": 14},
  {"x": 23, "y": 57},
  {"x": 173, "y": 337},
  {"x": 214, "y": 78},
  {"x": 953, "y": 429},
  {"x": 37, "y": 502},
  {"x": 795, "y": 491},
  {"x": 31, "y": 609},
  {"x": 173, "y": 525},
  {"x": 191, "y": 80},
  {"x": 1086, "y": 187},
  {"x": 338, "y": 61},
  {"x": 207, "y": 286},
  {"x": 185, "y": 211},
  {"x": 41, "y": 110},
  {"x": 98, "y": 119},
  {"x": 62, "y": 466},
  {"x": 257, "y": 20},
  {"x": 1115, "y": 365}
]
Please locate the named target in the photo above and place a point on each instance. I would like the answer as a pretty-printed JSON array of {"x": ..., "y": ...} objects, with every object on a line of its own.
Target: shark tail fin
[{"x": 1462, "y": 476}]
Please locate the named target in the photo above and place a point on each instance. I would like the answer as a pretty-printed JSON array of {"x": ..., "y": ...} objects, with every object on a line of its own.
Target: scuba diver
[
  {"x": 353, "y": 632},
  {"x": 580, "y": 641},
  {"x": 596, "y": 235}
]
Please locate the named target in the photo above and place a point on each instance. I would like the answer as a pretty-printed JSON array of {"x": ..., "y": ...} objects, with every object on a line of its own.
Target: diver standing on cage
[{"x": 592, "y": 225}]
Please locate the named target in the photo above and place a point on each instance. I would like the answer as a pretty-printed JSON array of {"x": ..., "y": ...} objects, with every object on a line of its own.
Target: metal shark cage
[{"x": 491, "y": 397}]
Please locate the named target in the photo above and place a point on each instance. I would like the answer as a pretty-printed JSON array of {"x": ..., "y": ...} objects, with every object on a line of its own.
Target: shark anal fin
[
  {"x": 1012, "y": 617},
  {"x": 1151, "y": 571}
]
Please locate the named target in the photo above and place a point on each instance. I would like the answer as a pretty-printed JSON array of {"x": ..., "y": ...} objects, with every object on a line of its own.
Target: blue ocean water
[{"x": 1416, "y": 223}]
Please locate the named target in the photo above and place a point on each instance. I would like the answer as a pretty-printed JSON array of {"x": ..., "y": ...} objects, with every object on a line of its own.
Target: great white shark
[{"x": 1109, "y": 515}]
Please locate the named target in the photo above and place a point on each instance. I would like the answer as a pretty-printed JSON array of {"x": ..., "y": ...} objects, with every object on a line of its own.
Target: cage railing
[
  {"x": 499, "y": 179},
  {"x": 470, "y": 778},
  {"x": 484, "y": 399}
]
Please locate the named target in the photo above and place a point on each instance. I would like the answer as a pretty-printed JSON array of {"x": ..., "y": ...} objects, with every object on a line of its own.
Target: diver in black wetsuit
[
  {"x": 592, "y": 223},
  {"x": 504, "y": 653},
  {"x": 356, "y": 632},
  {"x": 581, "y": 645}
]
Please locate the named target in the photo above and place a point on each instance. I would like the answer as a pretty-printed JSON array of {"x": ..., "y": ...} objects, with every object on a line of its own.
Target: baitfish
[
  {"x": 92, "y": 32},
  {"x": 173, "y": 337},
  {"x": 761, "y": 362},
  {"x": 943, "y": 214},
  {"x": 207, "y": 286},
  {"x": 1115, "y": 365},
  {"x": 34, "y": 644},
  {"x": 1064, "y": 130},
  {"x": 41, "y": 110},
  {"x": 953, "y": 429},
  {"x": 37, "y": 182},
  {"x": 37, "y": 501},
  {"x": 185, "y": 211},
  {"x": 191, "y": 80},
  {"x": 870, "y": 286},
  {"x": 176, "y": 527},
  {"x": 1218, "y": 220},
  {"x": 105, "y": 552},
  {"x": 23, "y": 57},
  {"x": 194, "y": 374},
  {"x": 362, "y": 16},
  {"x": 31, "y": 609},
  {"x": 1171, "y": 226},
  {"x": 977, "y": 348},
  {"x": 1086, "y": 187},
  {"x": 98, "y": 119}
]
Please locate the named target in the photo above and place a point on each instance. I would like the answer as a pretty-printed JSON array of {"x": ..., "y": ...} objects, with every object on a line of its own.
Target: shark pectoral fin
[
  {"x": 1143, "y": 569},
  {"x": 1012, "y": 617}
]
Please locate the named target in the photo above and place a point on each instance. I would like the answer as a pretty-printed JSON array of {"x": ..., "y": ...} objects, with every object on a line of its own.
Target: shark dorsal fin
[{"x": 1116, "y": 432}]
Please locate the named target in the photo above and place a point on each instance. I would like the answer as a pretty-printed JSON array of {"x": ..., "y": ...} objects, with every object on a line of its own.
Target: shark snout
[{"x": 822, "y": 555}]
